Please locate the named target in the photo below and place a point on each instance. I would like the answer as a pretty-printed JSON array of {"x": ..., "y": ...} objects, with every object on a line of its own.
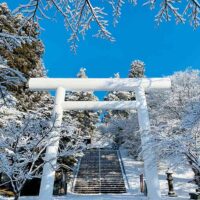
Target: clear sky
[{"x": 164, "y": 49}]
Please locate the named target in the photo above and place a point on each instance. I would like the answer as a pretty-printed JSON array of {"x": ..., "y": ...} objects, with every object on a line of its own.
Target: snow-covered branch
[
  {"x": 23, "y": 143},
  {"x": 9, "y": 77},
  {"x": 79, "y": 15},
  {"x": 11, "y": 41}
]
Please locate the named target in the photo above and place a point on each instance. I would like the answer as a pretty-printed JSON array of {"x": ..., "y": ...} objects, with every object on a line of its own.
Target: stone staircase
[{"x": 99, "y": 172}]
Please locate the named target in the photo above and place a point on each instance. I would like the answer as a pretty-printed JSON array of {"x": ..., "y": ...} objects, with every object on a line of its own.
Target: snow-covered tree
[
  {"x": 80, "y": 15},
  {"x": 137, "y": 69},
  {"x": 122, "y": 132},
  {"x": 122, "y": 126},
  {"x": 9, "y": 78},
  {"x": 23, "y": 144},
  {"x": 20, "y": 59},
  {"x": 175, "y": 120},
  {"x": 87, "y": 120},
  {"x": 117, "y": 96},
  {"x": 20, "y": 53},
  {"x": 25, "y": 115}
]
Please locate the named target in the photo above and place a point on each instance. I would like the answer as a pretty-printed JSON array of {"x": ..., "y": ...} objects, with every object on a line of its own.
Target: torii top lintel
[{"x": 98, "y": 84}]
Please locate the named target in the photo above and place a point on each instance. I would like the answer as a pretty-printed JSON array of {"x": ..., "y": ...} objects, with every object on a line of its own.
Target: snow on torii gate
[{"x": 100, "y": 84}]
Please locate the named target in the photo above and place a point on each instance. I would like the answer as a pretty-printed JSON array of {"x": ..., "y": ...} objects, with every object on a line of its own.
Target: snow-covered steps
[{"x": 99, "y": 172}]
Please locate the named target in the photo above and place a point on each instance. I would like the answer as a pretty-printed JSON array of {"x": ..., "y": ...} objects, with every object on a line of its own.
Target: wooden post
[{"x": 142, "y": 183}]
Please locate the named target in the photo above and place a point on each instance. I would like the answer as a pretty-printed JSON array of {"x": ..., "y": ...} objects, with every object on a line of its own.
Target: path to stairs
[{"x": 99, "y": 172}]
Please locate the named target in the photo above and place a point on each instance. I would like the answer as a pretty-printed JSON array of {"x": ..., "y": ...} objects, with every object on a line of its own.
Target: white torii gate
[{"x": 100, "y": 84}]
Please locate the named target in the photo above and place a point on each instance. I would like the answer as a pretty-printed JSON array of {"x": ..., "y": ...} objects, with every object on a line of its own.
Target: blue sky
[{"x": 164, "y": 49}]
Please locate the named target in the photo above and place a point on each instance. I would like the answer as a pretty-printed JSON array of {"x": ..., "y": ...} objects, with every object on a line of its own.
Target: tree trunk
[
  {"x": 17, "y": 195},
  {"x": 195, "y": 170}
]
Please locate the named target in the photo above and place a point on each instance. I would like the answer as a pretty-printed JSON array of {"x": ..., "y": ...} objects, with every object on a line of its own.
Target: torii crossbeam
[{"x": 101, "y": 84}]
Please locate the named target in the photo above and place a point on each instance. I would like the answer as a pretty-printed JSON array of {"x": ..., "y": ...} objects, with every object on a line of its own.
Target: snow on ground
[
  {"x": 86, "y": 197},
  {"x": 97, "y": 197},
  {"x": 133, "y": 169},
  {"x": 182, "y": 176}
]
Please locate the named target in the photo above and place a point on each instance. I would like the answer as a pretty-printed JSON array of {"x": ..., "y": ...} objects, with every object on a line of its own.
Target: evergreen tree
[
  {"x": 116, "y": 117},
  {"x": 21, "y": 51},
  {"x": 137, "y": 69},
  {"x": 25, "y": 115},
  {"x": 117, "y": 96},
  {"x": 87, "y": 120}
]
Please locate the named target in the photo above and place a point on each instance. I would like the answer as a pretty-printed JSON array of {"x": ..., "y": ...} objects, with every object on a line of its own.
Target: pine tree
[
  {"x": 25, "y": 115},
  {"x": 20, "y": 59},
  {"x": 111, "y": 117},
  {"x": 87, "y": 120},
  {"x": 117, "y": 96},
  {"x": 137, "y": 69},
  {"x": 21, "y": 51}
]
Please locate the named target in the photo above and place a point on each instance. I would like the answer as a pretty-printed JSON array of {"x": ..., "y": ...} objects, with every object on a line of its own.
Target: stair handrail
[
  {"x": 99, "y": 170},
  {"x": 75, "y": 175},
  {"x": 123, "y": 168}
]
